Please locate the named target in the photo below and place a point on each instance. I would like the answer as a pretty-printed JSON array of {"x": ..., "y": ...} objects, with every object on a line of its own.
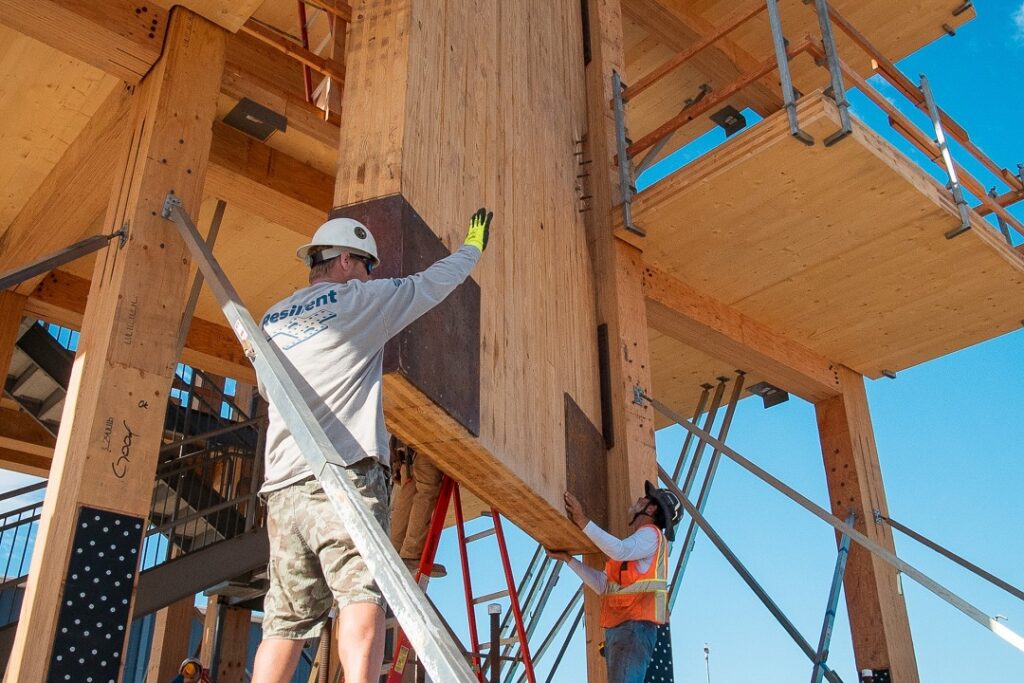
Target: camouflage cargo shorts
[{"x": 313, "y": 562}]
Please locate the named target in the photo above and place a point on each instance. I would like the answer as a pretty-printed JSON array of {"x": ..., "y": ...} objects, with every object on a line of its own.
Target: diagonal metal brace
[{"x": 58, "y": 258}]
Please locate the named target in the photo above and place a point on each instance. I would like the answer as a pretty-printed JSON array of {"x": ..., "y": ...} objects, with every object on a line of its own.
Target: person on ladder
[
  {"x": 634, "y": 583},
  {"x": 333, "y": 333},
  {"x": 416, "y": 487}
]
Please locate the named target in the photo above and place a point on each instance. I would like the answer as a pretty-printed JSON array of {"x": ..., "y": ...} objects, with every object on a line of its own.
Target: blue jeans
[{"x": 628, "y": 649}]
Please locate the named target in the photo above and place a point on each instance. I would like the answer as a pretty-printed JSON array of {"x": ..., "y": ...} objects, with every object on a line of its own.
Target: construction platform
[{"x": 840, "y": 248}]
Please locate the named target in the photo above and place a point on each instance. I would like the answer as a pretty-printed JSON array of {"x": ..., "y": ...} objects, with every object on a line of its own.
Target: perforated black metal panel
[
  {"x": 660, "y": 668},
  {"x": 94, "y": 615}
]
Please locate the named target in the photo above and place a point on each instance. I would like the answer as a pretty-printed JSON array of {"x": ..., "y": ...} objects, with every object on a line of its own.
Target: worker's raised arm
[{"x": 403, "y": 300}]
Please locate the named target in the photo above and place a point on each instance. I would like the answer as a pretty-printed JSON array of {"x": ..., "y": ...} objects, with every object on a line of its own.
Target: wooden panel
[
  {"x": 12, "y": 306},
  {"x": 897, "y": 29},
  {"x": 47, "y": 100},
  {"x": 121, "y": 37},
  {"x": 24, "y": 444},
  {"x": 841, "y": 249}
]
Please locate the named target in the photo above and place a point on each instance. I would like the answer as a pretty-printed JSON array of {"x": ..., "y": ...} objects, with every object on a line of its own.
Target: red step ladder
[{"x": 450, "y": 492}]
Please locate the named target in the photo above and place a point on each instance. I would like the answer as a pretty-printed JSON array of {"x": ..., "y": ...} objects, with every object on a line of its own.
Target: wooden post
[
  {"x": 620, "y": 301},
  {"x": 874, "y": 599},
  {"x": 12, "y": 306},
  {"x": 229, "y": 639},
  {"x": 102, "y": 477},
  {"x": 171, "y": 634}
]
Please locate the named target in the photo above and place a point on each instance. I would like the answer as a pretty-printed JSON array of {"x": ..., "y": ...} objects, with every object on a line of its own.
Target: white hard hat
[{"x": 339, "y": 235}]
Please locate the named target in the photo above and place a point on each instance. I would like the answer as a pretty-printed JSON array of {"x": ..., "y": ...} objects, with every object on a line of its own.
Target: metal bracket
[
  {"x": 639, "y": 395},
  {"x": 963, "y": 8},
  {"x": 879, "y": 519},
  {"x": 1003, "y": 227},
  {"x": 171, "y": 202},
  {"x": 626, "y": 187}
]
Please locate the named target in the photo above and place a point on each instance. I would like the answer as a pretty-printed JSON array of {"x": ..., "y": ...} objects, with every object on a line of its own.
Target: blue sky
[{"x": 948, "y": 435}]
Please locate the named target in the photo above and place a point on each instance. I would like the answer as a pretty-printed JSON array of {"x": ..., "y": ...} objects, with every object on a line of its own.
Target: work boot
[{"x": 437, "y": 571}]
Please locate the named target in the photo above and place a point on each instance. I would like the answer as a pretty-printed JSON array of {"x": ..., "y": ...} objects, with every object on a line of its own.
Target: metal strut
[
  {"x": 835, "y": 72},
  {"x": 58, "y": 258},
  {"x": 954, "y": 183},
  {"x": 439, "y": 653},
  {"x": 825, "y": 639},
  {"x": 782, "y": 57}
]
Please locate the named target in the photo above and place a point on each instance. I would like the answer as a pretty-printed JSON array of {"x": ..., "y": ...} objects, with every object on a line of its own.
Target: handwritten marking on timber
[
  {"x": 129, "y": 332},
  {"x": 108, "y": 429},
  {"x": 120, "y": 466}
]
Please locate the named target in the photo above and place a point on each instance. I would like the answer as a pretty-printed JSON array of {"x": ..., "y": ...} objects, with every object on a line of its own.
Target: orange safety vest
[{"x": 632, "y": 596}]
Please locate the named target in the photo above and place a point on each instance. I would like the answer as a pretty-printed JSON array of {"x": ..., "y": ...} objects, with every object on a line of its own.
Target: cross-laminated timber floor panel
[{"x": 840, "y": 249}]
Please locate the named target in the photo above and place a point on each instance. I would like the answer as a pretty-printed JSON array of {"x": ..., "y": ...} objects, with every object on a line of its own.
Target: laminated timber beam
[
  {"x": 12, "y": 306},
  {"x": 69, "y": 204},
  {"x": 874, "y": 597},
  {"x": 61, "y": 298},
  {"x": 106, "y": 451},
  {"x": 25, "y": 446},
  {"x": 698, "y": 320}
]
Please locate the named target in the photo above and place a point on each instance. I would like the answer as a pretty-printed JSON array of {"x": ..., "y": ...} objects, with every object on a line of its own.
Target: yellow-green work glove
[{"x": 479, "y": 229}]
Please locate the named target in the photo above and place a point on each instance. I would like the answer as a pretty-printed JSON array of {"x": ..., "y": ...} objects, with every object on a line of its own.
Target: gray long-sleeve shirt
[{"x": 334, "y": 335}]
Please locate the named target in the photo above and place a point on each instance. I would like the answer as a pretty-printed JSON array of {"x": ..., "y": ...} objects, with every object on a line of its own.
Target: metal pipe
[
  {"x": 494, "y": 655},
  {"x": 947, "y": 158},
  {"x": 709, "y": 421},
  {"x": 747, "y": 577},
  {"x": 1003, "y": 227},
  {"x": 197, "y": 281},
  {"x": 966, "y": 564},
  {"x": 835, "y": 73},
  {"x": 14, "y": 493},
  {"x": 174, "y": 445},
  {"x": 556, "y": 627},
  {"x": 782, "y": 58},
  {"x": 685, "y": 450},
  {"x": 565, "y": 644},
  {"x": 47, "y": 263},
  {"x": 825, "y": 638},
  {"x": 935, "y": 587},
  {"x": 705, "y": 491},
  {"x": 439, "y": 654}
]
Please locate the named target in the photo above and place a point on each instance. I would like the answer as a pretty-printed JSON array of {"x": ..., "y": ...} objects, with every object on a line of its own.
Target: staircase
[{"x": 206, "y": 521}]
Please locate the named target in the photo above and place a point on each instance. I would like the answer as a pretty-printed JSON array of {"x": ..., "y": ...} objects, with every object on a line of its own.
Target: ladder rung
[
  {"x": 480, "y": 534},
  {"x": 504, "y": 641},
  {"x": 491, "y": 596}
]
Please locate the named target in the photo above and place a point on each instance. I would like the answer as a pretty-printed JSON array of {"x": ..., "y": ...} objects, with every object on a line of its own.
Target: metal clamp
[
  {"x": 782, "y": 57},
  {"x": 954, "y": 183},
  {"x": 626, "y": 187}
]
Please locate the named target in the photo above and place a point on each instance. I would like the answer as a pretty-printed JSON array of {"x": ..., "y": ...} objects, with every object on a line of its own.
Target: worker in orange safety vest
[{"x": 634, "y": 583}]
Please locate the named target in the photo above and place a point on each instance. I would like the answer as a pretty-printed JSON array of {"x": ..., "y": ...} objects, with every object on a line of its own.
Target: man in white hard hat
[{"x": 333, "y": 333}]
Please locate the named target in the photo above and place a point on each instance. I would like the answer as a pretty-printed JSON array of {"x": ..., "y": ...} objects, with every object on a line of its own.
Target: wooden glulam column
[
  {"x": 874, "y": 599},
  {"x": 171, "y": 632},
  {"x": 618, "y": 279},
  {"x": 225, "y": 640},
  {"x": 101, "y": 482}
]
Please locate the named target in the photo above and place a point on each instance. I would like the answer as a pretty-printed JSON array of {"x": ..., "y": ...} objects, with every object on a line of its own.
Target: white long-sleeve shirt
[
  {"x": 334, "y": 335},
  {"x": 641, "y": 546}
]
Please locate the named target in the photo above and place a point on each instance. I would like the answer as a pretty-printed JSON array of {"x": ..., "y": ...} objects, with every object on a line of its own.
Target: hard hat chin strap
[{"x": 318, "y": 257}]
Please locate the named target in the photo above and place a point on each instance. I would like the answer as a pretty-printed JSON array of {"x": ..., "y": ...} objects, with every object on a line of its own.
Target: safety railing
[
  {"x": 933, "y": 144},
  {"x": 18, "y": 527}
]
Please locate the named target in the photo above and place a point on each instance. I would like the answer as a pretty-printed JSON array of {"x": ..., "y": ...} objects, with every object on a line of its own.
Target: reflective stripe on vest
[{"x": 635, "y": 596}]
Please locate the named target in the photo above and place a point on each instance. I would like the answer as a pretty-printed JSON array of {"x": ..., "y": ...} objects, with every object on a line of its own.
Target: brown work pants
[{"x": 412, "y": 504}]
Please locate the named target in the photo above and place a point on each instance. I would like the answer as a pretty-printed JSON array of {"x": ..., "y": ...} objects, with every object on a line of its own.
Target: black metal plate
[
  {"x": 660, "y": 668},
  {"x": 94, "y": 612},
  {"x": 439, "y": 353},
  {"x": 586, "y": 463}
]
